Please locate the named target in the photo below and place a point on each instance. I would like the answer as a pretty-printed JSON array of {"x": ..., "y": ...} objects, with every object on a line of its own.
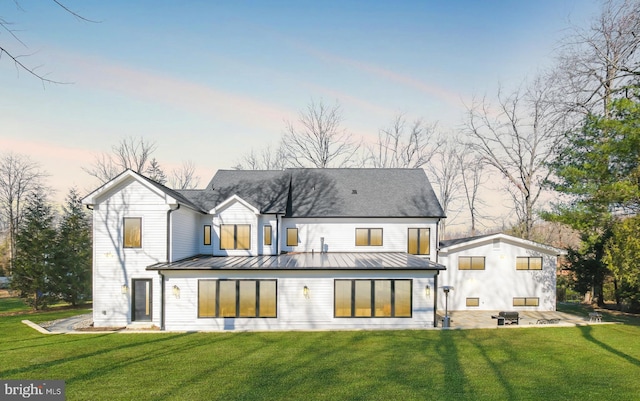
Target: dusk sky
[{"x": 209, "y": 80}]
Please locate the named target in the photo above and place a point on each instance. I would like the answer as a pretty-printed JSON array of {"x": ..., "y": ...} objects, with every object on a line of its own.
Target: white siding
[
  {"x": 295, "y": 311},
  {"x": 500, "y": 282},
  {"x": 206, "y": 220},
  {"x": 115, "y": 266},
  {"x": 235, "y": 213},
  {"x": 267, "y": 220},
  {"x": 186, "y": 233},
  {"x": 340, "y": 234}
]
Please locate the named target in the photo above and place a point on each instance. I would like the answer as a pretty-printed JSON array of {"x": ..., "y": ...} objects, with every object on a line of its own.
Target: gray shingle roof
[{"x": 325, "y": 192}]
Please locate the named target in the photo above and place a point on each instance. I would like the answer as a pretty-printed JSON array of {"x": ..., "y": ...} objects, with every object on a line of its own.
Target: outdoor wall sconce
[
  {"x": 124, "y": 289},
  {"x": 305, "y": 291},
  {"x": 427, "y": 290},
  {"x": 176, "y": 291}
]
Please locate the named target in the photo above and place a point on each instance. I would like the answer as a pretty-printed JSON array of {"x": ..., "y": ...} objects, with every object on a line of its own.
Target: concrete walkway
[
  {"x": 460, "y": 320},
  {"x": 69, "y": 325}
]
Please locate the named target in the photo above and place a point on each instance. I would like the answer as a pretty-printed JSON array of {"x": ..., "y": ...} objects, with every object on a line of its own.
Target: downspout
[
  {"x": 435, "y": 277},
  {"x": 162, "y": 289},
  {"x": 162, "y": 299},
  {"x": 435, "y": 299},
  {"x": 277, "y": 234},
  {"x": 169, "y": 232}
]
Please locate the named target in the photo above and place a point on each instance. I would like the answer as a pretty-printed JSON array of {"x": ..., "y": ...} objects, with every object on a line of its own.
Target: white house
[
  {"x": 296, "y": 249},
  {"x": 261, "y": 250},
  {"x": 498, "y": 272}
]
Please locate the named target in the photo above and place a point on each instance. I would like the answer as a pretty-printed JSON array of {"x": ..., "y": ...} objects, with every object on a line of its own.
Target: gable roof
[
  {"x": 342, "y": 192},
  {"x": 301, "y": 192},
  {"x": 469, "y": 242},
  {"x": 170, "y": 194}
]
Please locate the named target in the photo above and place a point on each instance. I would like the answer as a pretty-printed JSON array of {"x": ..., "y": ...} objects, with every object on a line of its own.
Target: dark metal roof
[
  {"x": 304, "y": 261},
  {"x": 342, "y": 192}
]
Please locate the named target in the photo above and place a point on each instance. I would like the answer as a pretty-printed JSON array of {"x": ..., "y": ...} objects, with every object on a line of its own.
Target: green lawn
[
  {"x": 551, "y": 363},
  {"x": 12, "y": 305}
]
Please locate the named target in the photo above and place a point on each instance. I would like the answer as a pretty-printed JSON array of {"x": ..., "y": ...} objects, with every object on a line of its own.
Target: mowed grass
[
  {"x": 13, "y": 305},
  {"x": 529, "y": 363}
]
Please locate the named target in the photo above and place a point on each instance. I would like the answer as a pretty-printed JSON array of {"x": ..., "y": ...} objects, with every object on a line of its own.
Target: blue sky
[{"x": 209, "y": 80}]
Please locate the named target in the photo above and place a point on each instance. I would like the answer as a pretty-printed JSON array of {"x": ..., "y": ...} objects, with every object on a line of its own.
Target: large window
[
  {"x": 237, "y": 298},
  {"x": 268, "y": 235},
  {"x": 292, "y": 237},
  {"x": 207, "y": 235},
  {"x": 132, "y": 227},
  {"x": 526, "y": 301},
  {"x": 418, "y": 241},
  {"x": 528, "y": 263},
  {"x": 372, "y": 298},
  {"x": 368, "y": 236},
  {"x": 235, "y": 236},
  {"x": 470, "y": 262}
]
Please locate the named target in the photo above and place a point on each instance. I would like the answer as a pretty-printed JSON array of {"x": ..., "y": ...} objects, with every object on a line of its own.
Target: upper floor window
[
  {"x": 268, "y": 235},
  {"x": 292, "y": 237},
  {"x": 529, "y": 263},
  {"x": 235, "y": 236},
  {"x": 132, "y": 227},
  {"x": 207, "y": 235},
  {"x": 470, "y": 262},
  {"x": 368, "y": 236},
  {"x": 419, "y": 240}
]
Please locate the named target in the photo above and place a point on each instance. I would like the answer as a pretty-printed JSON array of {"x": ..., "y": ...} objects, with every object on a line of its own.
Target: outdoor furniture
[
  {"x": 548, "y": 321},
  {"x": 595, "y": 317},
  {"x": 507, "y": 317}
]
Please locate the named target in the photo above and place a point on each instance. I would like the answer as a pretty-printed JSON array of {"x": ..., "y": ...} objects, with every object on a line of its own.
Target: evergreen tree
[
  {"x": 599, "y": 167},
  {"x": 154, "y": 172},
  {"x": 72, "y": 276},
  {"x": 35, "y": 247}
]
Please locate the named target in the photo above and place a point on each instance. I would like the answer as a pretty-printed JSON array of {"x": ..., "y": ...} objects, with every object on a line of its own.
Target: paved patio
[{"x": 482, "y": 319}]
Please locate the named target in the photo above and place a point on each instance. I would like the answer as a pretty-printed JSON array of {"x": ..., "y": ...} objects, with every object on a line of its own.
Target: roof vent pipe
[{"x": 321, "y": 244}]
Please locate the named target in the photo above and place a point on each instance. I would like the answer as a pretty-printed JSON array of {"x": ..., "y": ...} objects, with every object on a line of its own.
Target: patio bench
[
  {"x": 548, "y": 321},
  {"x": 595, "y": 317}
]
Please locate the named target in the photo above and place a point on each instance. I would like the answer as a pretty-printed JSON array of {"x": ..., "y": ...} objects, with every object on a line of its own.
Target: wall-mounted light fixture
[
  {"x": 305, "y": 291},
  {"x": 176, "y": 291},
  {"x": 427, "y": 290},
  {"x": 124, "y": 289}
]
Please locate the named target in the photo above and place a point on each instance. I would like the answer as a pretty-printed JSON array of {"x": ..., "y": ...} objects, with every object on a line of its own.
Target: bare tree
[
  {"x": 184, "y": 177},
  {"x": 267, "y": 159},
  {"x": 19, "y": 177},
  {"x": 16, "y": 57},
  {"x": 317, "y": 139},
  {"x": 472, "y": 180},
  {"x": 446, "y": 173},
  {"x": 517, "y": 139},
  {"x": 130, "y": 153},
  {"x": 597, "y": 62},
  {"x": 404, "y": 146}
]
